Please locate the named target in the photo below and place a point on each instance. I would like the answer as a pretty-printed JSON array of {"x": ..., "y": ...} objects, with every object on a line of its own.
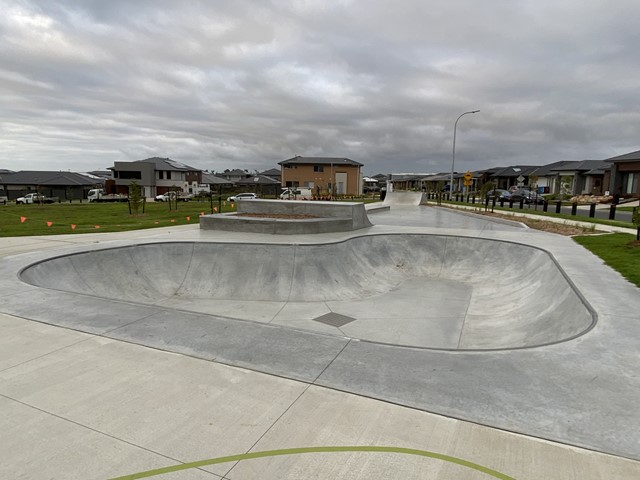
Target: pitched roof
[
  {"x": 34, "y": 177},
  {"x": 235, "y": 172},
  {"x": 258, "y": 180},
  {"x": 169, "y": 164},
  {"x": 627, "y": 157},
  {"x": 575, "y": 165},
  {"x": 211, "y": 179},
  {"x": 516, "y": 171},
  {"x": 319, "y": 161},
  {"x": 272, "y": 172}
]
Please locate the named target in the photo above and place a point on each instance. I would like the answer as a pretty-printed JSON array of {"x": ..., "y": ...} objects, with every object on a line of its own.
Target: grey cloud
[{"x": 248, "y": 83}]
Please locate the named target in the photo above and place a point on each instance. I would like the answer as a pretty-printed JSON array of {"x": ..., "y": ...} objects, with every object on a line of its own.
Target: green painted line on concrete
[{"x": 297, "y": 451}]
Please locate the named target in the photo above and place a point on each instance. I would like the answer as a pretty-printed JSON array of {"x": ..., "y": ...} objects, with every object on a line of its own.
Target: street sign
[
  {"x": 468, "y": 183},
  {"x": 468, "y": 176}
]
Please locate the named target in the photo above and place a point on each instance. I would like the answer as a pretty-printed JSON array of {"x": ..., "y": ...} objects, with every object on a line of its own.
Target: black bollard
[
  {"x": 612, "y": 212},
  {"x": 545, "y": 206},
  {"x": 521, "y": 203},
  {"x": 558, "y": 206},
  {"x": 592, "y": 210},
  {"x": 574, "y": 208}
]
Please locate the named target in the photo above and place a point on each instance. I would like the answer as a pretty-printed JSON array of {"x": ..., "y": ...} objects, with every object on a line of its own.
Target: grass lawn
[
  {"x": 95, "y": 217},
  {"x": 620, "y": 251}
]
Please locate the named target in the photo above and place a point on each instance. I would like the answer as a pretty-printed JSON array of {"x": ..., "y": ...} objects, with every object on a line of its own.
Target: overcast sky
[{"x": 246, "y": 84}]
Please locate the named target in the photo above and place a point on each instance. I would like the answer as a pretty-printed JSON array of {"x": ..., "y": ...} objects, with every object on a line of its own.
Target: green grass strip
[
  {"x": 618, "y": 250},
  {"x": 297, "y": 451}
]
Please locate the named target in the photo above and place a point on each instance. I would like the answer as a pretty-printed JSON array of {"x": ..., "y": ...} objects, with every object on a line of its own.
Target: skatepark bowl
[{"x": 413, "y": 290}]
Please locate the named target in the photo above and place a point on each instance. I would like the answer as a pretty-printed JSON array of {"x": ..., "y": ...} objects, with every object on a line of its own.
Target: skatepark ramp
[
  {"x": 404, "y": 198},
  {"x": 427, "y": 291}
]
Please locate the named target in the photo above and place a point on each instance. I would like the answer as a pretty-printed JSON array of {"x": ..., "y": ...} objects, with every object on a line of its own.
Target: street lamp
[{"x": 453, "y": 160}]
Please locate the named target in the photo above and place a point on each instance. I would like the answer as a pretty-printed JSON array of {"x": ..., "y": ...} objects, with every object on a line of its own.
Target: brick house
[{"x": 325, "y": 175}]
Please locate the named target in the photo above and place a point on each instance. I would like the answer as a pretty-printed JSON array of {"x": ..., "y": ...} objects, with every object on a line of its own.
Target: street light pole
[{"x": 453, "y": 160}]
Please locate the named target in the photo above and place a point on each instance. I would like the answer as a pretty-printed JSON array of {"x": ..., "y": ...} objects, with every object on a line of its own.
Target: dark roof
[
  {"x": 235, "y": 172},
  {"x": 3, "y": 171},
  {"x": 627, "y": 157},
  {"x": 319, "y": 161},
  {"x": 438, "y": 177},
  {"x": 272, "y": 172},
  {"x": 516, "y": 171},
  {"x": 575, "y": 165},
  {"x": 258, "y": 180},
  {"x": 102, "y": 173},
  {"x": 596, "y": 171},
  {"x": 211, "y": 179},
  {"x": 549, "y": 169},
  {"x": 33, "y": 177},
  {"x": 168, "y": 164}
]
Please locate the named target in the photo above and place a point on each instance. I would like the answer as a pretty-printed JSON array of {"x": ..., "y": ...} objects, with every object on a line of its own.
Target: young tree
[
  {"x": 135, "y": 196},
  {"x": 636, "y": 221}
]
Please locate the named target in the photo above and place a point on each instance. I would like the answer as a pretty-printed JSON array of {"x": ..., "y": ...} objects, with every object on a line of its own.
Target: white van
[{"x": 296, "y": 193}]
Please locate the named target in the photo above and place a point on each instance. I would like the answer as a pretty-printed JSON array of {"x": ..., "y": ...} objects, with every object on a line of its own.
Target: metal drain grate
[{"x": 334, "y": 319}]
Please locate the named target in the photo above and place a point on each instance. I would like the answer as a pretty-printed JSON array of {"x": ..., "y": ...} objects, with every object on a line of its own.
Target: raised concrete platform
[{"x": 328, "y": 217}]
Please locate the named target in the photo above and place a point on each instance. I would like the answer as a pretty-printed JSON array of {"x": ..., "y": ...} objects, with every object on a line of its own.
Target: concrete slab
[
  {"x": 43, "y": 445},
  {"x": 177, "y": 407},
  {"x": 331, "y": 418}
]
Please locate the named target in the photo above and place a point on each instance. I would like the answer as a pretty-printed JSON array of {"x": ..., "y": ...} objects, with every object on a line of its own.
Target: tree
[
  {"x": 636, "y": 221},
  {"x": 135, "y": 196}
]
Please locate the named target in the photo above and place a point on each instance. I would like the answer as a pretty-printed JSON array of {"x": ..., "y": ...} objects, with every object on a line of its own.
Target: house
[
  {"x": 579, "y": 177},
  {"x": 234, "y": 175},
  {"x": 271, "y": 173},
  {"x": 64, "y": 185},
  {"x": 260, "y": 184},
  {"x": 213, "y": 183},
  {"x": 326, "y": 175},
  {"x": 156, "y": 176},
  {"x": 509, "y": 176},
  {"x": 624, "y": 177}
]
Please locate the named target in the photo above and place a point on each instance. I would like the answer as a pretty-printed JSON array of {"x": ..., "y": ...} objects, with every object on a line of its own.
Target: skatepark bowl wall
[{"x": 414, "y": 290}]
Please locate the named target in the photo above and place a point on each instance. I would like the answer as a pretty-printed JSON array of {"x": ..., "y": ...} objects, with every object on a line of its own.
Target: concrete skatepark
[{"x": 496, "y": 329}]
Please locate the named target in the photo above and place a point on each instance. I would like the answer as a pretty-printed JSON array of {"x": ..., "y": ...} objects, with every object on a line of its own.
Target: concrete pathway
[{"x": 81, "y": 405}]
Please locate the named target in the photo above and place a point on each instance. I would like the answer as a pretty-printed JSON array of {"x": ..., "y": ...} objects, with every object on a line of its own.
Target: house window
[
  {"x": 168, "y": 175},
  {"x": 629, "y": 183},
  {"x": 160, "y": 174},
  {"x": 130, "y": 175},
  {"x": 318, "y": 168}
]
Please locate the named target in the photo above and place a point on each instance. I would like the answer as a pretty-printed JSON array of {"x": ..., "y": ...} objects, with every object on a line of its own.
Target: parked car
[
  {"x": 34, "y": 198},
  {"x": 370, "y": 189},
  {"x": 499, "y": 194},
  {"x": 242, "y": 196},
  {"x": 527, "y": 195},
  {"x": 165, "y": 197}
]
